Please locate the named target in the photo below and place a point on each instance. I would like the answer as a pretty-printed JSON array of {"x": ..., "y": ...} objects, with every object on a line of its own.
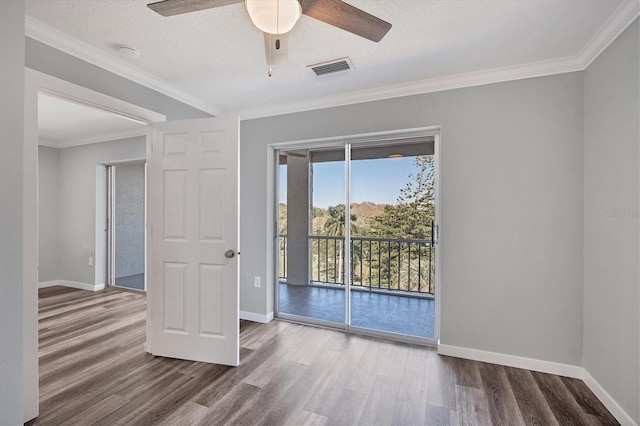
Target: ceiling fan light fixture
[{"x": 274, "y": 16}]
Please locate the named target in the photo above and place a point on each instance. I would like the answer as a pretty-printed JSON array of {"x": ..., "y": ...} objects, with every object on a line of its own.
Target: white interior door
[{"x": 193, "y": 238}]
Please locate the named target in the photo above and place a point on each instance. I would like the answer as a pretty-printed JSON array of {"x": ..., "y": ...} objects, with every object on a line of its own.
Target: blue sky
[{"x": 378, "y": 181}]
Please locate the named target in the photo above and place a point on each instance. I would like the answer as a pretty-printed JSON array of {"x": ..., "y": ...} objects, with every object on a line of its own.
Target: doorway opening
[
  {"x": 62, "y": 241},
  {"x": 357, "y": 235},
  {"x": 126, "y": 207}
]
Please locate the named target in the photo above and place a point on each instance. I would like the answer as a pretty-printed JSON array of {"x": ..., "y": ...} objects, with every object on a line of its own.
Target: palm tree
[{"x": 335, "y": 226}]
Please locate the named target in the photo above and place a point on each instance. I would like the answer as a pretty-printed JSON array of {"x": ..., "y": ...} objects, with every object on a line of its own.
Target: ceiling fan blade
[
  {"x": 276, "y": 56},
  {"x": 177, "y": 7},
  {"x": 349, "y": 18}
]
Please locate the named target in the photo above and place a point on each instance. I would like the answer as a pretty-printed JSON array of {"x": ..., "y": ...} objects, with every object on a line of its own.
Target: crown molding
[
  {"x": 626, "y": 14},
  {"x": 47, "y": 142},
  {"x": 59, "y": 40},
  {"x": 438, "y": 84},
  {"x": 623, "y": 16},
  {"x": 103, "y": 137}
]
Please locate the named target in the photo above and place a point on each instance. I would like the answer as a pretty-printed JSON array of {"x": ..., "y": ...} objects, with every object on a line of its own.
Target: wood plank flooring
[{"x": 93, "y": 370}]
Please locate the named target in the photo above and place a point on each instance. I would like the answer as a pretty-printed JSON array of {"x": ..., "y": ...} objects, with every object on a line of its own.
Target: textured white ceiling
[
  {"x": 62, "y": 123},
  {"x": 217, "y": 55}
]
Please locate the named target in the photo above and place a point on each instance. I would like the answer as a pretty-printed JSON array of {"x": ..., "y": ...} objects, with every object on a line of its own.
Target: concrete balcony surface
[{"x": 414, "y": 316}]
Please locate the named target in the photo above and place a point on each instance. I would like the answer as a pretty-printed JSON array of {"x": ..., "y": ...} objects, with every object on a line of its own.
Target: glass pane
[
  {"x": 392, "y": 270},
  {"x": 311, "y": 245}
]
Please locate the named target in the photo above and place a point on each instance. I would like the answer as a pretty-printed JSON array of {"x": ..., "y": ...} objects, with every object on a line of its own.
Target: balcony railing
[{"x": 389, "y": 264}]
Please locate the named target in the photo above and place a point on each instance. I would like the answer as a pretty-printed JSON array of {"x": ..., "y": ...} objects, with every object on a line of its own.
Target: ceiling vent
[{"x": 330, "y": 67}]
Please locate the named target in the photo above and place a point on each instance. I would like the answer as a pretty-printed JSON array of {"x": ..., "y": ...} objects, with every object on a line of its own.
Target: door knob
[{"x": 229, "y": 254}]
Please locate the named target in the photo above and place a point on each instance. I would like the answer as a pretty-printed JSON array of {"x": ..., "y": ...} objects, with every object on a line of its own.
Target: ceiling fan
[{"x": 277, "y": 17}]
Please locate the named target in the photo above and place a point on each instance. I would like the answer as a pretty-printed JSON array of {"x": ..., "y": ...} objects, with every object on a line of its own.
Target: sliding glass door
[
  {"x": 356, "y": 243},
  {"x": 392, "y": 256},
  {"x": 311, "y": 238}
]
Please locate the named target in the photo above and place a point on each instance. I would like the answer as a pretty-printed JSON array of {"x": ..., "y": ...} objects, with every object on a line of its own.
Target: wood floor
[{"x": 93, "y": 370}]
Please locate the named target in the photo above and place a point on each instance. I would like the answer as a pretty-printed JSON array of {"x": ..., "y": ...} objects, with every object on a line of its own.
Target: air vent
[{"x": 330, "y": 67}]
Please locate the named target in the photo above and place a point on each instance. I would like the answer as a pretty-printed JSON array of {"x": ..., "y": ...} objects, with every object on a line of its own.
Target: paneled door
[{"x": 193, "y": 238}]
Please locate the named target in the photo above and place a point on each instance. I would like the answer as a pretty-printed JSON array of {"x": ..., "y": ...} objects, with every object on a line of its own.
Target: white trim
[
  {"x": 47, "y": 142},
  {"x": 624, "y": 16},
  {"x": 100, "y": 225},
  {"x": 616, "y": 410},
  {"x": 104, "y": 137},
  {"x": 360, "y": 138},
  {"x": 72, "y": 284},
  {"x": 67, "y": 91},
  {"x": 57, "y": 39},
  {"x": 437, "y": 197},
  {"x": 511, "y": 361},
  {"x": 548, "y": 367},
  {"x": 252, "y": 316},
  {"x": 431, "y": 85},
  {"x": 346, "y": 246},
  {"x": 51, "y": 283}
]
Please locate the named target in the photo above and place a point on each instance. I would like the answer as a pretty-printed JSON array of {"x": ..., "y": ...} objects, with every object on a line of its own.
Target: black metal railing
[{"x": 390, "y": 264}]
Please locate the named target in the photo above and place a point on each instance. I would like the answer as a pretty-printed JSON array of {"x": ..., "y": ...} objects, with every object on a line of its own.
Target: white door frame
[
  {"x": 346, "y": 142},
  {"x": 111, "y": 177},
  {"x": 37, "y": 82}
]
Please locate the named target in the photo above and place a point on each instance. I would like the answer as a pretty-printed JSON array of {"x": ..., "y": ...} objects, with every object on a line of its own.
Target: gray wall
[
  {"x": 611, "y": 252},
  {"x": 49, "y": 267},
  {"x": 129, "y": 220},
  {"x": 11, "y": 199},
  {"x": 512, "y": 207},
  {"x": 51, "y": 61},
  {"x": 77, "y": 202}
]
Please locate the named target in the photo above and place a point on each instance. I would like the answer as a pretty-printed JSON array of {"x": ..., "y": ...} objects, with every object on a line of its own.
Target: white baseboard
[
  {"x": 616, "y": 410},
  {"x": 72, "y": 284},
  {"x": 512, "y": 361},
  {"x": 549, "y": 367},
  {"x": 52, "y": 283},
  {"x": 252, "y": 316}
]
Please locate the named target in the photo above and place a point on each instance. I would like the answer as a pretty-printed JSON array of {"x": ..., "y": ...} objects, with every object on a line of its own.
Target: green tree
[
  {"x": 335, "y": 227},
  {"x": 410, "y": 218},
  {"x": 282, "y": 218},
  {"x": 335, "y": 224},
  {"x": 413, "y": 212}
]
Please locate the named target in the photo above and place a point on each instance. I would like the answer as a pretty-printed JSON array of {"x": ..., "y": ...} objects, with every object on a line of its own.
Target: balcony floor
[{"x": 384, "y": 312}]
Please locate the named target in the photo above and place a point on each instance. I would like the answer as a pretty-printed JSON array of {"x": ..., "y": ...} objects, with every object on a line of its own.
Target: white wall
[
  {"x": 77, "y": 203},
  {"x": 512, "y": 207},
  {"x": 11, "y": 202},
  {"x": 611, "y": 226},
  {"x": 49, "y": 266}
]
